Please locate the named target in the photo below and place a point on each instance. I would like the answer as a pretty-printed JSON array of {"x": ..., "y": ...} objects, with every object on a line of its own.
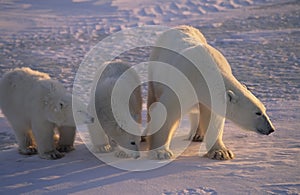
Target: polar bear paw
[
  {"x": 65, "y": 148},
  {"x": 28, "y": 151},
  {"x": 52, "y": 155},
  {"x": 105, "y": 148},
  {"x": 161, "y": 154},
  {"x": 220, "y": 154},
  {"x": 123, "y": 154}
]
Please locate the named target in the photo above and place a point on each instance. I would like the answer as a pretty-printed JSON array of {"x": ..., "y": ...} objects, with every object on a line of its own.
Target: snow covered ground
[{"x": 260, "y": 39}]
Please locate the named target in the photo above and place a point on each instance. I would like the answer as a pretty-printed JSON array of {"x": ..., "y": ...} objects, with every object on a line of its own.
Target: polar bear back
[
  {"x": 182, "y": 38},
  {"x": 22, "y": 91},
  {"x": 21, "y": 78},
  {"x": 16, "y": 88},
  {"x": 104, "y": 87}
]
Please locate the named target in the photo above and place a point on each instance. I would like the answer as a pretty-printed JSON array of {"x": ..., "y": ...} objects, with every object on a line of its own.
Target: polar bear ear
[
  {"x": 49, "y": 86},
  {"x": 52, "y": 88},
  {"x": 232, "y": 97}
]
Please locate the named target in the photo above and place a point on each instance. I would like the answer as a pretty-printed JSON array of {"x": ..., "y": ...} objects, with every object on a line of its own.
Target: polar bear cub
[
  {"x": 107, "y": 131},
  {"x": 243, "y": 108},
  {"x": 35, "y": 105}
]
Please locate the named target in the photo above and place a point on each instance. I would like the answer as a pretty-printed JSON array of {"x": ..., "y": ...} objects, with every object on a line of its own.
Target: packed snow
[{"x": 259, "y": 38}]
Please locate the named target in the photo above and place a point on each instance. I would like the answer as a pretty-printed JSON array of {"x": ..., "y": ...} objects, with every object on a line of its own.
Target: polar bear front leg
[
  {"x": 125, "y": 153},
  {"x": 160, "y": 142},
  {"x": 99, "y": 138},
  {"x": 161, "y": 139},
  {"x": 66, "y": 138},
  {"x": 43, "y": 133},
  {"x": 213, "y": 125}
]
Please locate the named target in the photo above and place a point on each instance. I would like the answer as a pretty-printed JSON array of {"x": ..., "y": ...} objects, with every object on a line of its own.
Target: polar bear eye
[
  {"x": 61, "y": 105},
  {"x": 246, "y": 87},
  {"x": 258, "y": 113}
]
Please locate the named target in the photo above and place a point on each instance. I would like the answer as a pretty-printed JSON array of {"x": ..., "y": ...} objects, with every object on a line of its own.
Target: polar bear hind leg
[
  {"x": 99, "y": 139},
  {"x": 160, "y": 140}
]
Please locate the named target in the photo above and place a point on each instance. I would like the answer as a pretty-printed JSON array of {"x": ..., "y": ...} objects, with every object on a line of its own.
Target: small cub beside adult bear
[
  {"x": 35, "y": 105},
  {"x": 107, "y": 129}
]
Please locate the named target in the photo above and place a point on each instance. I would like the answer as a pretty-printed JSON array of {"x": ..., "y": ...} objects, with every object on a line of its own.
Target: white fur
[
  {"x": 242, "y": 105},
  {"x": 106, "y": 129},
  {"x": 35, "y": 105}
]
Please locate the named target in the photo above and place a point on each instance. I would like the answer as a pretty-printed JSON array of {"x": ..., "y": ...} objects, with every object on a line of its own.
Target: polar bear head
[
  {"x": 124, "y": 139},
  {"x": 244, "y": 109},
  {"x": 58, "y": 105}
]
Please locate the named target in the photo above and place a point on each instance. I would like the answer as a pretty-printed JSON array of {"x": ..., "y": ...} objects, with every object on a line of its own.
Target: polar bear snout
[
  {"x": 87, "y": 118},
  {"x": 271, "y": 131},
  {"x": 84, "y": 117},
  {"x": 262, "y": 131},
  {"x": 135, "y": 154},
  {"x": 265, "y": 126}
]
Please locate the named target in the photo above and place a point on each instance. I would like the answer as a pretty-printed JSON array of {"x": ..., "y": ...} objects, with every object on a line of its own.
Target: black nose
[{"x": 271, "y": 131}]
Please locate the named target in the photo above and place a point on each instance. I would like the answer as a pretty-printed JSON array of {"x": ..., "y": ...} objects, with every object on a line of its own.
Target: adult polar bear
[
  {"x": 243, "y": 108},
  {"x": 35, "y": 105}
]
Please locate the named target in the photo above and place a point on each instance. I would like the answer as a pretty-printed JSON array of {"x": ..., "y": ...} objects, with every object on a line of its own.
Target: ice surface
[{"x": 260, "y": 39}]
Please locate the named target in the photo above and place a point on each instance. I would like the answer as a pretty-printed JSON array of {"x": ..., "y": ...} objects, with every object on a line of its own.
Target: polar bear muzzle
[{"x": 264, "y": 125}]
